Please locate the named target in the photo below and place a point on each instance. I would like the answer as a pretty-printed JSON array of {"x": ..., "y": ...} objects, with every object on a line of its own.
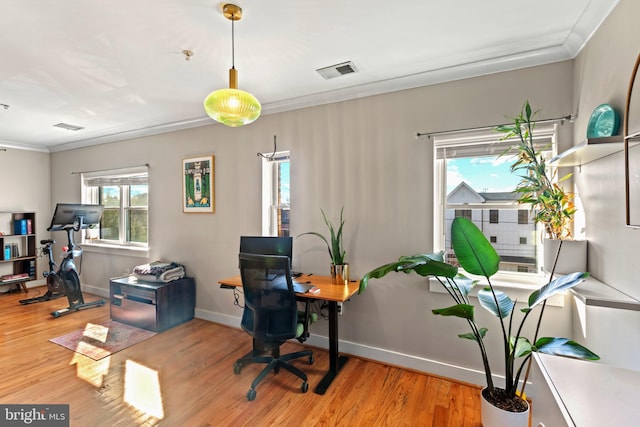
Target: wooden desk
[{"x": 332, "y": 294}]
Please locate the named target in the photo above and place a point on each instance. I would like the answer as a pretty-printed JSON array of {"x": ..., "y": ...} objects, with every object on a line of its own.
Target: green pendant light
[{"x": 232, "y": 107}]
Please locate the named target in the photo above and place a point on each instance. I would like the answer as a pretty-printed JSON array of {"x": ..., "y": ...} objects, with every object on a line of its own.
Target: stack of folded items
[{"x": 159, "y": 271}]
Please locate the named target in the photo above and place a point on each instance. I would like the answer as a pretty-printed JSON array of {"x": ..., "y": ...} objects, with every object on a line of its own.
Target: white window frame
[
  {"x": 270, "y": 203},
  {"x": 122, "y": 178},
  {"x": 481, "y": 142}
]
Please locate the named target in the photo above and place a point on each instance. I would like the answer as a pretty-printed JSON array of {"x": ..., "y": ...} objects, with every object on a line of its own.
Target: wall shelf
[
  {"x": 593, "y": 292},
  {"x": 589, "y": 150}
]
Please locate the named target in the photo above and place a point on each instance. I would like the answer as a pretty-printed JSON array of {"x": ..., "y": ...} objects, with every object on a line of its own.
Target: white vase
[
  {"x": 493, "y": 416},
  {"x": 573, "y": 256}
]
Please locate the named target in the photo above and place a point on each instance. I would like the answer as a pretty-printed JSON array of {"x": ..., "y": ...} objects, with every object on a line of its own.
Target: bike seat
[{"x": 47, "y": 242}]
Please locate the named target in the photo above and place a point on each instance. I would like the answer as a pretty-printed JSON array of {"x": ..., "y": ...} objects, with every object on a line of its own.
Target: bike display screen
[{"x": 67, "y": 214}]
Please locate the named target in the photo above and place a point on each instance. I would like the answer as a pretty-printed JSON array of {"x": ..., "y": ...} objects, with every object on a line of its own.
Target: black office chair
[{"x": 270, "y": 316}]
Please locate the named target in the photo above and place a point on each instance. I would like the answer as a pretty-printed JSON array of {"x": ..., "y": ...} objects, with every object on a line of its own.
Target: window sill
[
  {"x": 518, "y": 287},
  {"x": 103, "y": 248}
]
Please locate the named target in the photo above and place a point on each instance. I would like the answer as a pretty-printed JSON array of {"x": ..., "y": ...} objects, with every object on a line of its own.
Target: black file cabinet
[{"x": 152, "y": 306}]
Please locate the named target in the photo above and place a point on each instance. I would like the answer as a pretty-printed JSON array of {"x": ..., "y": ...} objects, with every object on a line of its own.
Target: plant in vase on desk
[
  {"x": 339, "y": 266},
  {"x": 476, "y": 256},
  {"x": 550, "y": 204}
]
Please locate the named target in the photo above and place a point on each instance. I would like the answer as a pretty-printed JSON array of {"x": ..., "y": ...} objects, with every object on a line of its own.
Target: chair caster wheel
[
  {"x": 311, "y": 360},
  {"x": 251, "y": 395},
  {"x": 304, "y": 387},
  {"x": 237, "y": 367}
]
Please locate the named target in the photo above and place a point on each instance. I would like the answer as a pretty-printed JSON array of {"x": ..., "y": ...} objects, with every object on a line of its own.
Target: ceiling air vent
[
  {"x": 68, "y": 126},
  {"x": 337, "y": 70}
]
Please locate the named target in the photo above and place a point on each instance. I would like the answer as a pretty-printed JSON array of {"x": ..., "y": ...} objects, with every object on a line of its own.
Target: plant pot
[
  {"x": 573, "y": 256},
  {"x": 340, "y": 274},
  {"x": 492, "y": 416}
]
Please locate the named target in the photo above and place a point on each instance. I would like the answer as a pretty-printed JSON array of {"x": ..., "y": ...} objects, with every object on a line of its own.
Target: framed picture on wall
[{"x": 198, "y": 185}]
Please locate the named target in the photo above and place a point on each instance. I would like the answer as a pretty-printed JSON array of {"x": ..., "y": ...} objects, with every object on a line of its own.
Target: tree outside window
[{"x": 125, "y": 197}]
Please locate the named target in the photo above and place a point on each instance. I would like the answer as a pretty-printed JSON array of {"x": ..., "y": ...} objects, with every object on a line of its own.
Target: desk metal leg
[{"x": 336, "y": 362}]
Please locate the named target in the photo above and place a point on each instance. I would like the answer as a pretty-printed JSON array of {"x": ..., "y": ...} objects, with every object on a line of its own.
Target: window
[
  {"x": 523, "y": 216},
  {"x": 275, "y": 194},
  {"x": 493, "y": 216},
  {"x": 464, "y": 213},
  {"x": 124, "y": 193},
  {"x": 471, "y": 176}
]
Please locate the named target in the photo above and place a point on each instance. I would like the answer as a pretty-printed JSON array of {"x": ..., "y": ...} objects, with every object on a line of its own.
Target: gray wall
[
  {"x": 364, "y": 155},
  {"x": 602, "y": 73},
  {"x": 26, "y": 183}
]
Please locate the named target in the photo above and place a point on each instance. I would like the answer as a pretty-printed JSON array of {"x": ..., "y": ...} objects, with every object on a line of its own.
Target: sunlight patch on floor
[
  {"x": 142, "y": 389},
  {"x": 89, "y": 370},
  {"x": 96, "y": 332}
]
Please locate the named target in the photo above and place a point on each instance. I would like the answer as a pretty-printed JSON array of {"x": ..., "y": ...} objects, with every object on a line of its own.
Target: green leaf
[
  {"x": 436, "y": 268},
  {"x": 527, "y": 109},
  {"x": 564, "y": 347},
  {"x": 556, "y": 286},
  {"x": 422, "y": 264},
  {"x": 522, "y": 348},
  {"x": 314, "y": 233},
  {"x": 462, "y": 283},
  {"x": 464, "y": 311},
  {"x": 502, "y": 309},
  {"x": 473, "y": 251},
  {"x": 472, "y": 336}
]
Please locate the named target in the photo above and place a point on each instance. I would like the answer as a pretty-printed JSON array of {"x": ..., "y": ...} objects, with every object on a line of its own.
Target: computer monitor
[
  {"x": 267, "y": 245},
  {"x": 66, "y": 214}
]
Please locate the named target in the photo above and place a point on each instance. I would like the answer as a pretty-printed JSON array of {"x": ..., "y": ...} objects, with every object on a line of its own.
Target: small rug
[{"x": 99, "y": 341}]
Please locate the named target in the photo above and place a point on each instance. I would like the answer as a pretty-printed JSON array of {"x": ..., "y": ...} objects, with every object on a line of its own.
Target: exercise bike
[
  {"x": 72, "y": 218},
  {"x": 55, "y": 287}
]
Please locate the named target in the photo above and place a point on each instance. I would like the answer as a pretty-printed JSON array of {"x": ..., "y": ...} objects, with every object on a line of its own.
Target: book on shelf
[{"x": 20, "y": 226}]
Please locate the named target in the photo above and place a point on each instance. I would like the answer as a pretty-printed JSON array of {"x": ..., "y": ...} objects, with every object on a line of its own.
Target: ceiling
[{"x": 116, "y": 67}]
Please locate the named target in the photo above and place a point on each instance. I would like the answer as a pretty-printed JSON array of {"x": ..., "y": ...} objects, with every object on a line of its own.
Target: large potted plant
[
  {"x": 339, "y": 266},
  {"x": 476, "y": 256},
  {"x": 551, "y": 205}
]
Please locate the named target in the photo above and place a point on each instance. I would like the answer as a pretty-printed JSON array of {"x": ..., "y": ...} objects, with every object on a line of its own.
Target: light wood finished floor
[{"x": 193, "y": 366}]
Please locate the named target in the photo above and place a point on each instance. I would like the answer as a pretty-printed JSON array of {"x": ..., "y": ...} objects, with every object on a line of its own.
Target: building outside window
[
  {"x": 276, "y": 204},
  {"x": 124, "y": 194}
]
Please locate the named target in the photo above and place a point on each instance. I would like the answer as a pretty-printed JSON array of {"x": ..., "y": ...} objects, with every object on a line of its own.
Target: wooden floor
[{"x": 184, "y": 377}]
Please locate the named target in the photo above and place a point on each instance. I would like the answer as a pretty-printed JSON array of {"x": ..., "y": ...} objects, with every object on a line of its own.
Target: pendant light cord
[{"x": 233, "y": 54}]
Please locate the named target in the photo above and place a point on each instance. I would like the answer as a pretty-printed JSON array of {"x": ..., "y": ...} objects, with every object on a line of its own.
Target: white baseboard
[
  {"x": 385, "y": 356},
  {"x": 101, "y": 292},
  {"x": 381, "y": 355}
]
